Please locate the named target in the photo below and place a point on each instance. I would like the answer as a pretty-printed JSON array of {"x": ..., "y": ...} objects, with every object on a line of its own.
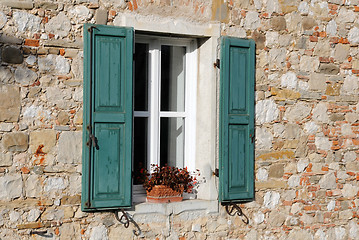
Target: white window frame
[{"x": 154, "y": 82}]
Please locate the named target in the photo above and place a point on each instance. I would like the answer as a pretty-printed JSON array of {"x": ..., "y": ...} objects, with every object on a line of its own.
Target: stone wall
[{"x": 307, "y": 115}]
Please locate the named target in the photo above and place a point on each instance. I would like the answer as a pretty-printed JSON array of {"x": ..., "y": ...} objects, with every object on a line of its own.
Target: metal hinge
[
  {"x": 217, "y": 64},
  {"x": 216, "y": 172}
]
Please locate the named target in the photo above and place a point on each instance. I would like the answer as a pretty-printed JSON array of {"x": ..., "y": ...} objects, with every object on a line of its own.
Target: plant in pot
[{"x": 166, "y": 184}]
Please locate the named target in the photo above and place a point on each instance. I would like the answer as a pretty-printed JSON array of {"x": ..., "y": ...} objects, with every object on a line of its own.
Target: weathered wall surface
[{"x": 307, "y": 114}]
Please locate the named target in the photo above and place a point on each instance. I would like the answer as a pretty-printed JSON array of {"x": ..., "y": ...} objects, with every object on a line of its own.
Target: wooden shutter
[
  {"x": 108, "y": 110},
  {"x": 237, "y": 74}
]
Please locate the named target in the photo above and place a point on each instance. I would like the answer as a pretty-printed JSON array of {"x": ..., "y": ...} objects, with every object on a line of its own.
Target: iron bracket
[
  {"x": 233, "y": 209},
  {"x": 124, "y": 218}
]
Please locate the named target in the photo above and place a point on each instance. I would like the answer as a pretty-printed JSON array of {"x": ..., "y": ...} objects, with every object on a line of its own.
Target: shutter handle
[
  {"x": 93, "y": 139},
  {"x": 252, "y": 137}
]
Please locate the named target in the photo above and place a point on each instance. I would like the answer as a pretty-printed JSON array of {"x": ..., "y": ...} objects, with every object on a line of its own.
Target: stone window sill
[{"x": 141, "y": 210}]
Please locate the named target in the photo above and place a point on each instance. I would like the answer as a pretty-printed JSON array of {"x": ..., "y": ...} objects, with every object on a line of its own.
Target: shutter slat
[{"x": 237, "y": 119}]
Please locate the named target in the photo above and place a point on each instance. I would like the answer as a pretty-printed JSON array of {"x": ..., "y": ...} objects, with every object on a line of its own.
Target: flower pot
[{"x": 164, "y": 194}]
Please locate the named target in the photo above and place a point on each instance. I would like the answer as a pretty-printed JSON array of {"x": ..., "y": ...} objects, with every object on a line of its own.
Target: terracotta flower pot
[{"x": 164, "y": 194}]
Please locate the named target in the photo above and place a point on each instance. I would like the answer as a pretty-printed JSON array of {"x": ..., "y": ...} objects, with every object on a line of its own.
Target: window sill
[{"x": 143, "y": 212}]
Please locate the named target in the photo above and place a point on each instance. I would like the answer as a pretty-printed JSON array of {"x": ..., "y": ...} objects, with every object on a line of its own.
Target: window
[
  {"x": 164, "y": 102},
  {"x": 156, "y": 123}
]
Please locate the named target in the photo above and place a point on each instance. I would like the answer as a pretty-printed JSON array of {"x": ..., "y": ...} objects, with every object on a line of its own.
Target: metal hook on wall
[
  {"x": 124, "y": 218},
  {"x": 233, "y": 209}
]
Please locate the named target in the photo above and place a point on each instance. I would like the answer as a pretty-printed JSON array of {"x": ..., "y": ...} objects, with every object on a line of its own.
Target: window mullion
[{"x": 154, "y": 67}]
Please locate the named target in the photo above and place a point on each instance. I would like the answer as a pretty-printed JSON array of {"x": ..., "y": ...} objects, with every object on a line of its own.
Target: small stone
[
  {"x": 63, "y": 118},
  {"x": 33, "y": 215},
  {"x": 308, "y": 23},
  {"x": 11, "y": 186},
  {"x": 31, "y": 60},
  {"x": 277, "y": 218},
  {"x": 349, "y": 156},
  {"x": 302, "y": 165},
  {"x": 196, "y": 228},
  {"x": 71, "y": 200},
  {"x": 328, "y": 181},
  {"x": 353, "y": 35},
  {"x": 278, "y": 23},
  {"x": 294, "y": 181},
  {"x": 33, "y": 186},
  {"x": 263, "y": 139},
  {"x": 25, "y": 76},
  {"x": 47, "y": 5},
  {"x": 26, "y": 21},
  {"x": 72, "y": 142},
  {"x": 322, "y": 143},
  {"x": 276, "y": 170},
  {"x": 18, "y": 4},
  {"x": 11, "y": 54},
  {"x": 308, "y": 64},
  {"x": 101, "y": 16},
  {"x": 68, "y": 212},
  {"x": 266, "y": 111},
  {"x": 3, "y": 20},
  {"x": 78, "y": 117},
  {"x": 350, "y": 191},
  {"x": 15, "y": 142},
  {"x": 259, "y": 38},
  {"x": 10, "y": 103},
  {"x": 302, "y": 43},
  {"x": 54, "y": 183},
  {"x": 300, "y": 234},
  {"x": 52, "y": 214},
  {"x": 99, "y": 233},
  {"x": 297, "y": 112},
  {"x": 262, "y": 174},
  {"x": 271, "y": 199},
  {"x": 320, "y": 114},
  {"x": 252, "y": 20},
  {"x": 10, "y": 39},
  {"x": 6, "y": 127},
  {"x": 350, "y": 85},
  {"x": 333, "y": 89},
  {"x": 341, "y": 52},
  {"x": 33, "y": 225},
  {"x": 345, "y": 15},
  {"x": 59, "y": 25},
  {"x": 5, "y": 159},
  {"x": 42, "y": 141},
  {"x": 289, "y": 80}
]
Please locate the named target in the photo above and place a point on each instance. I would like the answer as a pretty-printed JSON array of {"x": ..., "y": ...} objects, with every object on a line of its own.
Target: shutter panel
[
  {"x": 237, "y": 119},
  {"x": 108, "y": 109}
]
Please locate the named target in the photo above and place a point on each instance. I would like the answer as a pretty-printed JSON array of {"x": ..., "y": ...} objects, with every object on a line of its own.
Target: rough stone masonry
[{"x": 307, "y": 113}]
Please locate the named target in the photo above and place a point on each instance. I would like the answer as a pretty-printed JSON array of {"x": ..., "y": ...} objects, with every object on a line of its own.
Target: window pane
[
  {"x": 141, "y": 77},
  {"x": 172, "y": 141},
  {"x": 172, "y": 78},
  {"x": 140, "y": 146}
]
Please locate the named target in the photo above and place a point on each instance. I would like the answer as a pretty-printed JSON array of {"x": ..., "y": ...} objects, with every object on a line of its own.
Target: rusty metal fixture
[
  {"x": 89, "y": 127},
  {"x": 124, "y": 218},
  {"x": 233, "y": 209}
]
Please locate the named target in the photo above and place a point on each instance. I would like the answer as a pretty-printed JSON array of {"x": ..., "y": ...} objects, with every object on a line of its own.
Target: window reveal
[{"x": 162, "y": 106}]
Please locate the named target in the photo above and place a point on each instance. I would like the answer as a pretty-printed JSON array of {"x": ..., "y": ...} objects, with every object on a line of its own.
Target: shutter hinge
[
  {"x": 216, "y": 172},
  {"x": 217, "y": 63}
]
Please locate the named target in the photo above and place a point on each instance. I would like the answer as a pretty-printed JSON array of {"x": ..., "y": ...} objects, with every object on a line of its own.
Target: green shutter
[
  {"x": 237, "y": 119},
  {"x": 107, "y": 170}
]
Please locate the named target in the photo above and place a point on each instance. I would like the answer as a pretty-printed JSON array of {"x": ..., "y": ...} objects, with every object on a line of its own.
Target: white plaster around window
[{"x": 146, "y": 211}]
